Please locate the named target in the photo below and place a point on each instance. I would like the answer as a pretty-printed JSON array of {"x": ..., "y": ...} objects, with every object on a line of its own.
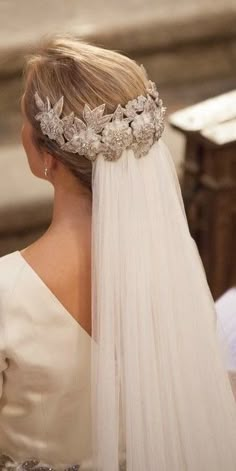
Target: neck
[{"x": 72, "y": 211}]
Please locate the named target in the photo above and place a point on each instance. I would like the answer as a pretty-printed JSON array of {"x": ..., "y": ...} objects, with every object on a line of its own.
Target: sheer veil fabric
[{"x": 161, "y": 396}]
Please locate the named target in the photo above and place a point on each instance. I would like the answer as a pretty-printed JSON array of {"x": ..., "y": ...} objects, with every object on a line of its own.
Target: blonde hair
[{"x": 83, "y": 73}]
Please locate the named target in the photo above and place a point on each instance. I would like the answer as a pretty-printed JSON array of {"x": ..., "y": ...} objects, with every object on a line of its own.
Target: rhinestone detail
[
  {"x": 31, "y": 464},
  {"x": 136, "y": 126}
]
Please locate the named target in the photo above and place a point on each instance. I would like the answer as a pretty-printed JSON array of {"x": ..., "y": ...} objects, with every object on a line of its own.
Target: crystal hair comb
[{"x": 136, "y": 126}]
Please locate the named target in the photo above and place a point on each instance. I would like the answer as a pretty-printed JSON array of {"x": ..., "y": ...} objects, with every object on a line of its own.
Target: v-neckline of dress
[{"x": 52, "y": 295}]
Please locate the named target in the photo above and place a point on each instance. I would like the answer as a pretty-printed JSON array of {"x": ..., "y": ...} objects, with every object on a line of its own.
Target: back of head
[{"x": 83, "y": 74}]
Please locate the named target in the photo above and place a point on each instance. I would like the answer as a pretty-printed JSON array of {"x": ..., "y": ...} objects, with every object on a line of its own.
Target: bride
[{"x": 109, "y": 357}]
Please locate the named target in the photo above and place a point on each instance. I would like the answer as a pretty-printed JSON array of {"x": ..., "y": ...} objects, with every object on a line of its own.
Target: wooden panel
[{"x": 209, "y": 185}]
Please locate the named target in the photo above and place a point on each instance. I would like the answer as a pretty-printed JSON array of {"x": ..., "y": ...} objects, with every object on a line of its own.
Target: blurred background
[{"x": 188, "y": 48}]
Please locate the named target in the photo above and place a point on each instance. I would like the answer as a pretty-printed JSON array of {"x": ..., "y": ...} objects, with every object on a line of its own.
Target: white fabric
[
  {"x": 45, "y": 401},
  {"x": 226, "y": 324},
  {"x": 156, "y": 356}
]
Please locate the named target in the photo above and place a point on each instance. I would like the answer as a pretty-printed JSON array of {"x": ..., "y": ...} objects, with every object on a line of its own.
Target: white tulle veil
[{"x": 161, "y": 399}]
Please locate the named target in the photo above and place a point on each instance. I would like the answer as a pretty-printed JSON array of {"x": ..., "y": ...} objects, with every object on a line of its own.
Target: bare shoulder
[{"x": 56, "y": 261}]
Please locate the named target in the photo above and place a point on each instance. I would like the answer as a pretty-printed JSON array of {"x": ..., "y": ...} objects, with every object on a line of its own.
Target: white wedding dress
[
  {"x": 44, "y": 373},
  {"x": 45, "y": 360}
]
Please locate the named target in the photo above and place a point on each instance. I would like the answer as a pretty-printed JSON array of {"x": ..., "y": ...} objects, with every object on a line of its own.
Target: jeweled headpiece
[{"x": 136, "y": 126}]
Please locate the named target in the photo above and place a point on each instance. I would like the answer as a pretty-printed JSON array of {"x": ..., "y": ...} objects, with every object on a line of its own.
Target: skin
[{"x": 62, "y": 255}]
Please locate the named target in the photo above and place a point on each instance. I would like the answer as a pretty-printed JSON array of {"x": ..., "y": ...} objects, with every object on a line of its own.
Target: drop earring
[{"x": 46, "y": 172}]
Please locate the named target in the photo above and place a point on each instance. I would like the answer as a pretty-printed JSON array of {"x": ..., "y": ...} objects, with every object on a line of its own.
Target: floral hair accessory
[{"x": 136, "y": 126}]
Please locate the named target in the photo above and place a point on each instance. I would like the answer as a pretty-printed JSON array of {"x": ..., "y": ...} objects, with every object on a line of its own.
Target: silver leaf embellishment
[
  {"x": 136, "y": 126},
  {"x": 58, "y": 106},
  {"x": 39, "y": 102}
]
